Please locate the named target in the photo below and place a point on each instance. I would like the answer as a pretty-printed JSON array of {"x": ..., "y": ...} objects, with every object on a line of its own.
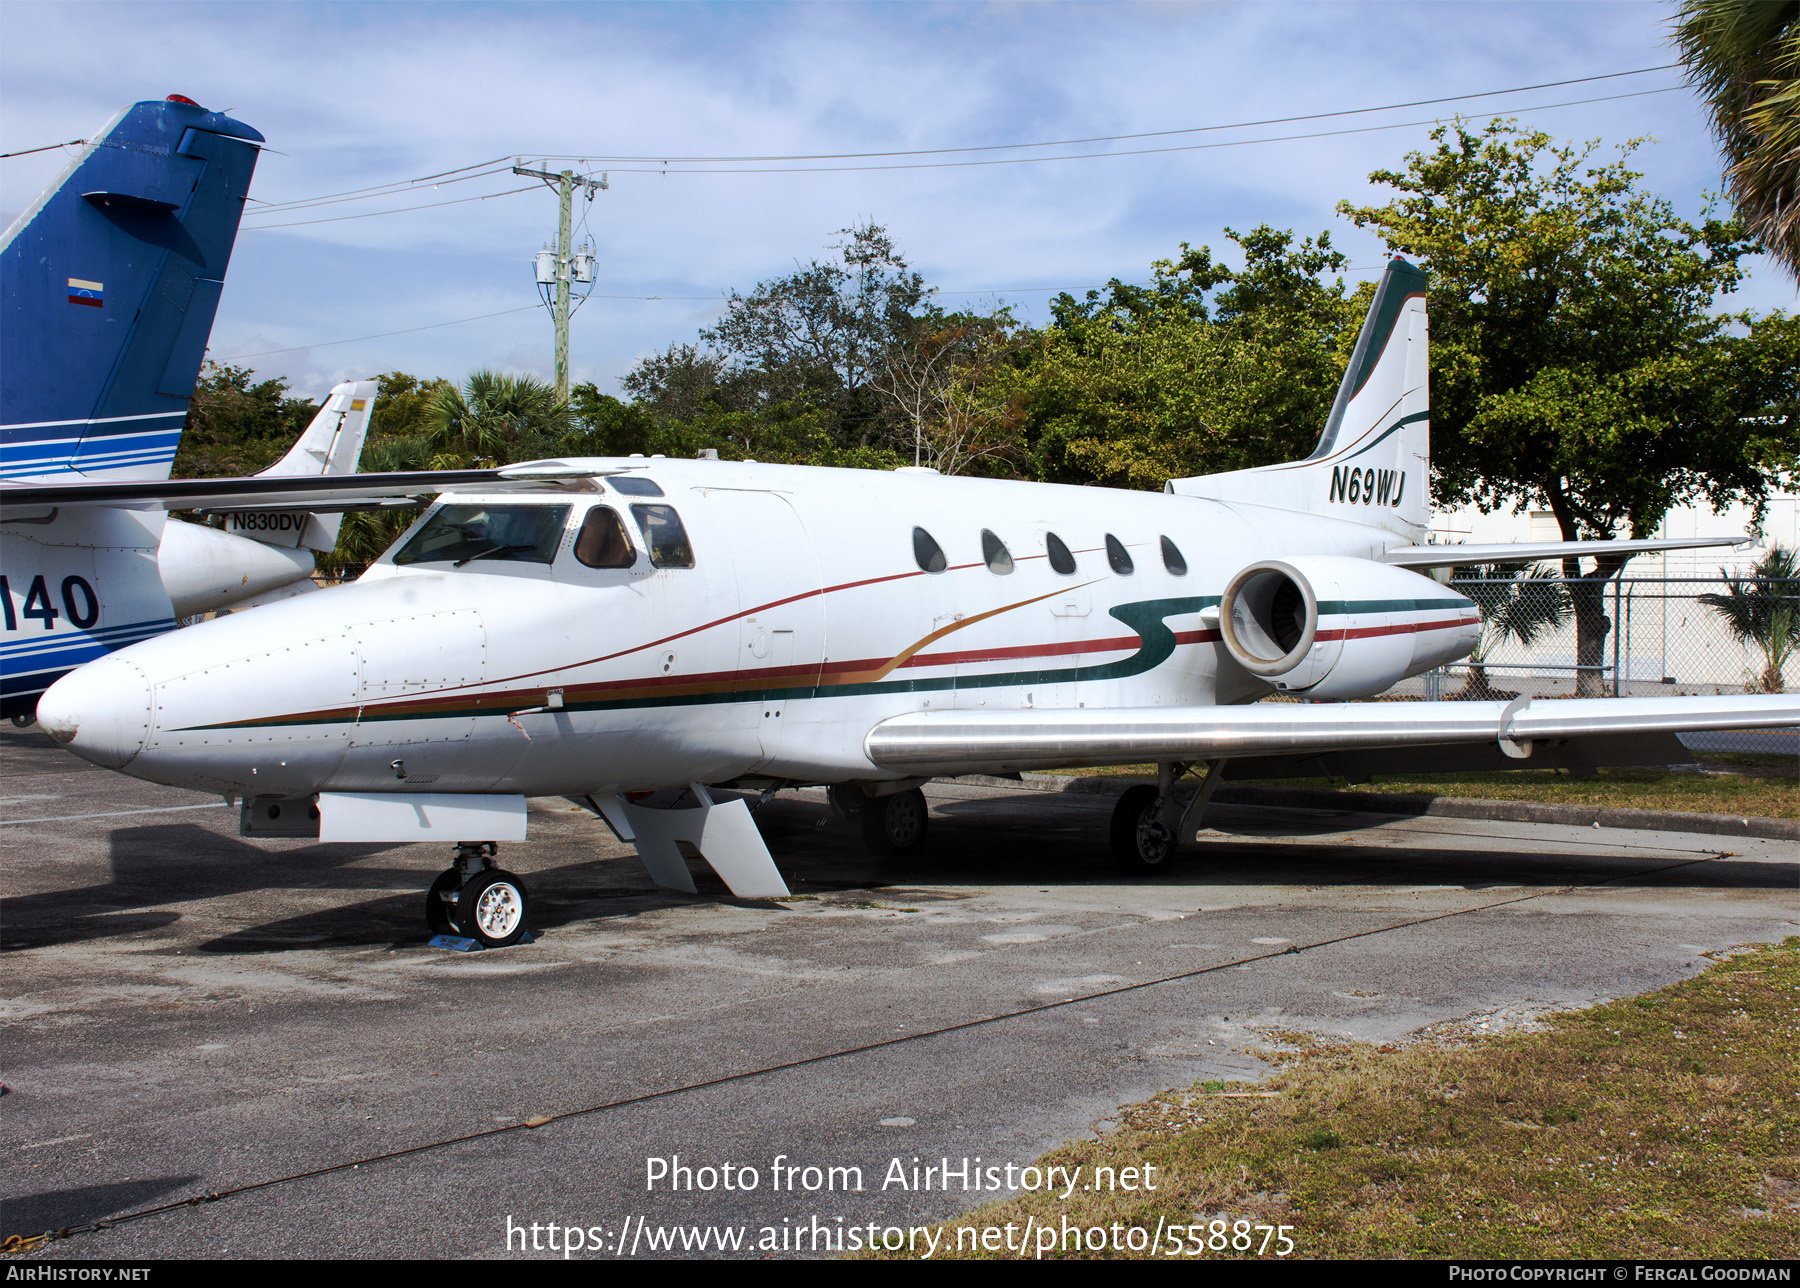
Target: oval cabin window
[
  {"x": 1118, "y": 556},
  {"x": 1060, "y": 558},
  {"x": 994, "y": 552},
  {"x": 1172, "y": 559},
  {"x": 928, "y": 552}
]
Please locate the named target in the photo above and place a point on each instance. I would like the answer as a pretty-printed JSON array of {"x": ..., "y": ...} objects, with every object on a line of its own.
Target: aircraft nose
[{"x": 100, "y": 711}]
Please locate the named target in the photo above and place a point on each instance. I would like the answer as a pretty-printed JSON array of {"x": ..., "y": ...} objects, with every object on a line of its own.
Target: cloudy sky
[{"x": 352, "y": 96}]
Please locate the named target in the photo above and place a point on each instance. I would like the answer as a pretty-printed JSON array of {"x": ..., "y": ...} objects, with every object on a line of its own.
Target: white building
[
  {"x": 1780, "y": 526},
  {"x": 1664, "y": 641}
]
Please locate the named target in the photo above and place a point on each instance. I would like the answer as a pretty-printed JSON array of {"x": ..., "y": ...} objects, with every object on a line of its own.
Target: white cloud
[{"x": 351, "y": 95}]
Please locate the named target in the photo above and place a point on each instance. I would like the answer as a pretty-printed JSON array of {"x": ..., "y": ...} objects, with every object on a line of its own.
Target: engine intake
[
  {"x": 1269, "y": 618},
  {"x": 1334, "y": 627}
]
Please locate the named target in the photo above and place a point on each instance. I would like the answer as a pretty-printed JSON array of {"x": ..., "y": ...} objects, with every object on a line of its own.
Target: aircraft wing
[
  {"x": 323, "y": 493},
  {"x": 1535, "y": 551},
  {"x": 949, "y": 742}
]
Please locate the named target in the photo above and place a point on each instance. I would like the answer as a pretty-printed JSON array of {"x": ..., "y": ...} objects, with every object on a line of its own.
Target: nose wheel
[{"x": 477, "y": 899}]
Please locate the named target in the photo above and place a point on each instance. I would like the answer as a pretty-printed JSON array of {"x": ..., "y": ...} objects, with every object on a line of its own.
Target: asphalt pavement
[{"x": 191, "y": 1013}]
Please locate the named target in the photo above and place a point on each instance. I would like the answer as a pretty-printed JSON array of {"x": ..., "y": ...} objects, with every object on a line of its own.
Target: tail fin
[
  {"x": 108, "y": 287},
  {"x": 1373, "y": 461},
  {"x": 332, "y": 444}
]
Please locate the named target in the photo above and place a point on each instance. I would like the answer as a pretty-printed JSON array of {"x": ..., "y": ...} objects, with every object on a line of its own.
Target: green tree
[
  {"x": 1744, "y": 58},
  {"x": 494, "y": 419},
  {"x": 398, "y": 440},
  {"x": 802, "y": 348},
  {"x": 1577, "y": 363},
  {"x": 402, "y": 405},
  {"x": 945, "y": 384},
  {"x": 1204, "y": 370},
  {"x": 1764, "y": 609},
  {"x": 237, "y": 425},
  {"x": 605, "y": 426}
]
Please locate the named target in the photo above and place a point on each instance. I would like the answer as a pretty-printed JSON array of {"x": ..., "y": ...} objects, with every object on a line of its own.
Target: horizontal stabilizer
[{"x": 1509, "y": 552}]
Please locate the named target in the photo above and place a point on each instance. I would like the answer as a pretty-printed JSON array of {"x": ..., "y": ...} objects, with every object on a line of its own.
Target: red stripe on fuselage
[{"x": 1398, "y": 628}]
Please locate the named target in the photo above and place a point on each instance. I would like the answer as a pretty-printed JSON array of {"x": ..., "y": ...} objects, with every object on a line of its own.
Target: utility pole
[{"x": 565, "y": 268}]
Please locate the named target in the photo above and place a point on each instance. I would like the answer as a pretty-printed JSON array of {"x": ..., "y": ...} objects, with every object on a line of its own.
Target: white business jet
[{"x": 633, "y": 625}]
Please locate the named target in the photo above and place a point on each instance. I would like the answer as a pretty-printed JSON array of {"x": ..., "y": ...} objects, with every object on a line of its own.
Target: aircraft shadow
[
  {"x": 152, "y": 867},
  {"x": 574, "y": 893},
  {"x": 975, "y": 845},
  {"x": 57, "y": 1209}
]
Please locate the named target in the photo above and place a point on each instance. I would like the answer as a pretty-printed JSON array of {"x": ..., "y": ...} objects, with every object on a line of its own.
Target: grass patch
[
  {"x": 1743, "y": 786},
  {"x": 1668, "y": 1130}
]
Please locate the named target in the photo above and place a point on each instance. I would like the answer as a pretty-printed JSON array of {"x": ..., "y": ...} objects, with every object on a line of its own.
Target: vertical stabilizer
[
  {"x": 332, "y": 444},
  {"x": 1373, "y": 461},
  {"x": 108, "y": 287}
]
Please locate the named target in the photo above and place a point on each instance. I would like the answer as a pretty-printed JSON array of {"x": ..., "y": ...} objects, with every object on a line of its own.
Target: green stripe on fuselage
[{"x": 1146, "y": 618}]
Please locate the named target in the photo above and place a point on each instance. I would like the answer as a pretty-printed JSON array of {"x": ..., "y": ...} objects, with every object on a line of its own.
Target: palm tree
[
  {"x": 1744, "y": 57},
  {"x": 1764, "y": 609},
  {"x": 364, "y": 534},
  {"x": 495, "y": 419},
  {"x": 1515, "y": 604}
]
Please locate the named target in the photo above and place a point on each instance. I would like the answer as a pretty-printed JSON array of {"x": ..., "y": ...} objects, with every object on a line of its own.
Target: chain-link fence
[{"x": 1554, "y": 637}]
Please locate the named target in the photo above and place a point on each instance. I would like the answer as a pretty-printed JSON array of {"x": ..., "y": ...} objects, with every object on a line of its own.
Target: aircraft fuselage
[{"x": 807, "y": 616}]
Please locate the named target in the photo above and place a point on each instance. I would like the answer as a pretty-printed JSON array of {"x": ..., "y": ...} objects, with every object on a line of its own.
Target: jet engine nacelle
[{"x": 1332, "y": 627}]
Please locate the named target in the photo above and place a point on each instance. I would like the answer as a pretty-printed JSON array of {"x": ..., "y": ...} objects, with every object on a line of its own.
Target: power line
[
  {"x": 648, "y": 299},
  {"x": 944, "y": 165},
  {"x": 1149, "y": 134},
  {"x": 397, "y": 185},
  {"x": 279, "y": 208},
  {"x": 401, "y": 185},
  {"x": 398, "y": 210},
  {"x": 1137, "y": 152},
  {"x": 382, "y": 335}
]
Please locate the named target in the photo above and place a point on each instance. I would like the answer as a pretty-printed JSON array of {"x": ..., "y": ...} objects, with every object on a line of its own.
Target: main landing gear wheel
[
  {"x": 440, "y": 903},
  {"x": 894, "y": 824},
  {"x": 492, "y": 908},
  {"x": 1142, "y": 844}
]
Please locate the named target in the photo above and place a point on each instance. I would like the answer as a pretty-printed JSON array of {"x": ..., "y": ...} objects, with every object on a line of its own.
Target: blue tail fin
[{"x": 108, "y": 286}]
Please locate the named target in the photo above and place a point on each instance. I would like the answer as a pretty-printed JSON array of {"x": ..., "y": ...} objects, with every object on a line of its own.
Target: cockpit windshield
[{"x": 460, "y": 534}]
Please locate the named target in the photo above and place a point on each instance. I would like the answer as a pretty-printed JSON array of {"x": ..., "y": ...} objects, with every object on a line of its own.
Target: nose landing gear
[{"x": 478, "y": 900}]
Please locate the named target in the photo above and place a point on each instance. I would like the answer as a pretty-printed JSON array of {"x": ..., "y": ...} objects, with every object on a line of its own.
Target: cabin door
[{"x": 781, "y": 627}]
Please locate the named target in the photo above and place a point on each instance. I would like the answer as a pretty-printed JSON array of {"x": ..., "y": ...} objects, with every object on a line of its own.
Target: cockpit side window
[
  {"x": 602, "y": 542},
  {"x": 1060, "y": 558},
  {"x": 664, "y": 534},
  {"x": 634, "y": 485},
  {"x": 460, "y": 534}
]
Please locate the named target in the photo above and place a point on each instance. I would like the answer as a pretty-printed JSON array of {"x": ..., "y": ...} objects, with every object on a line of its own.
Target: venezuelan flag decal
[{"x": 92, "y": 294}]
